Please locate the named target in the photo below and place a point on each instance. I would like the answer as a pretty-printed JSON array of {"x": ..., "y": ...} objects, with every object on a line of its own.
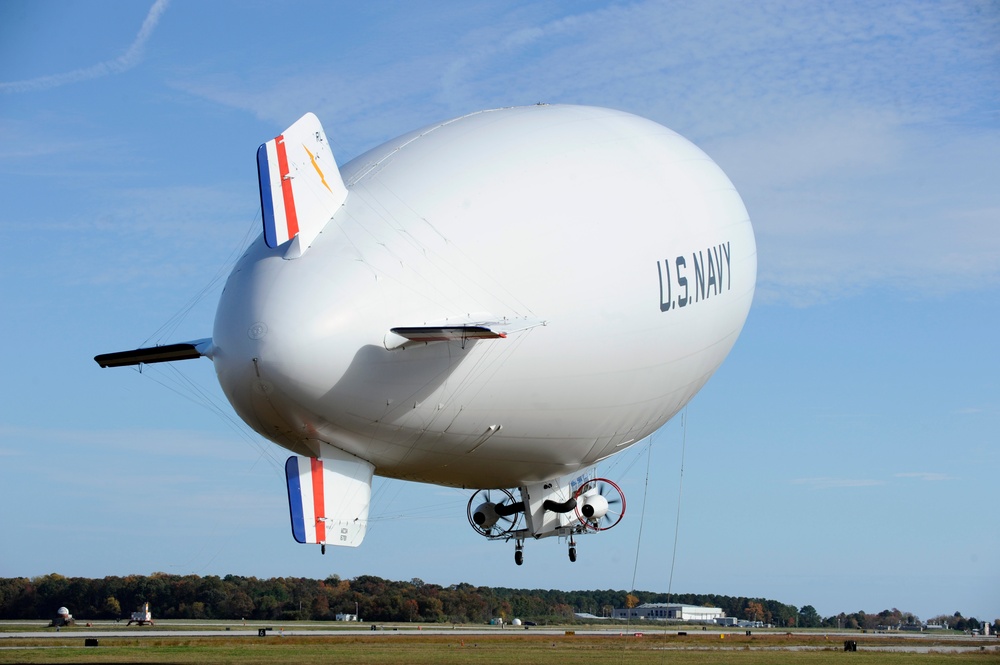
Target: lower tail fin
[{"x": 328, "y": 497}]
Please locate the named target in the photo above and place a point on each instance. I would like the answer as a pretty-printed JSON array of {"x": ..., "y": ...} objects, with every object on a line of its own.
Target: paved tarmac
[{"x": 916, "y": 642}]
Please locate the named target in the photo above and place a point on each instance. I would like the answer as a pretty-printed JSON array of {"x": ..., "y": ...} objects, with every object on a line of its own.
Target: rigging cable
[
  {"x": 642, "y": 513},
  {"x": 170, "y": 325},
  {"x": 638, "y": 540},
  {"x": 680, "y": 488}
]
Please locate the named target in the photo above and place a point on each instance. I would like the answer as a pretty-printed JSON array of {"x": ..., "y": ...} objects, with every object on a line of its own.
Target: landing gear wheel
[
  {"x": 611, "y": 493},
  {"x": 572, "y": 554},
  {"x": 497, "y": 497},
  {"x": 518, "y": 557}
]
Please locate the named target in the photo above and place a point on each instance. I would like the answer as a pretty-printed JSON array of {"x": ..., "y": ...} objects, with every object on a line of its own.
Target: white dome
[
  {"x": 515, "y": 622},
  {"x": 63, "y": 612}
]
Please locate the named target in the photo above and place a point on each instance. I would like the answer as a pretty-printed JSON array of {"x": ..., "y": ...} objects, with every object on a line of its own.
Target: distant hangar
[{"x": 670, "y": 612}]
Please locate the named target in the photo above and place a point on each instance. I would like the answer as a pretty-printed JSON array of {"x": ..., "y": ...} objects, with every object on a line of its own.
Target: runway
[{"x": 674, "y": 639}]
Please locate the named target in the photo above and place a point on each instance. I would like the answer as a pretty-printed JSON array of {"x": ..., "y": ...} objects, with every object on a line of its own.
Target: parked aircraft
[{"x": 497, "y": 302}]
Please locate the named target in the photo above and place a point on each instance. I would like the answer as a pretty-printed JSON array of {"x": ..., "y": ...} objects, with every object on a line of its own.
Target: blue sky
[{"x": 845, "y": 456}]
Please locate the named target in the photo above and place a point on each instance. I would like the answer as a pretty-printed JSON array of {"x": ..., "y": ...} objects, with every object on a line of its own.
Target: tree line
[{"x": 374, "y": 599}]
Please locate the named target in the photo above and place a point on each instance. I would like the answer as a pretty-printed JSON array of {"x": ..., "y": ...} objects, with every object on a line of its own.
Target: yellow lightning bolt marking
[{"x": 322, "y": 177}]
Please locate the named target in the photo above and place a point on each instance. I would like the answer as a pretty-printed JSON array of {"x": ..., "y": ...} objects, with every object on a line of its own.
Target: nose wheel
[
  {"x": 519, "y": 552},
  {"x": 572, "y": 549}
]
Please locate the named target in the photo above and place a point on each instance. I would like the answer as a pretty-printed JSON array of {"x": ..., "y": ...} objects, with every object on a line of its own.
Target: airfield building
[{"x": 670, "y": 612}]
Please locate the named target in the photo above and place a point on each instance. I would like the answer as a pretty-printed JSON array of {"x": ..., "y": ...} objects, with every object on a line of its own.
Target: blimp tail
[
  {"x": 328, "y": 497},
  {"x": 300, "y": 185}
]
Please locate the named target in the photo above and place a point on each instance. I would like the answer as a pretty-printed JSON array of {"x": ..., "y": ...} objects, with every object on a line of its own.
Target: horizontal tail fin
[
  {"x": 458, "y": 329},
  {"x": 156, "y": 354},
  {"x": 446, "y": 333},
  {"x": 300, "y": 185}
]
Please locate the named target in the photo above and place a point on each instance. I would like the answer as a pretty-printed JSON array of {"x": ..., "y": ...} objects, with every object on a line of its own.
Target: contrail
[{"x": 127, "y": 60}]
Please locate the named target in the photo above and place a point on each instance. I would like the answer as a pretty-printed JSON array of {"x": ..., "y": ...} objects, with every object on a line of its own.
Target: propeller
[
  {"x": 600, "y": 504},
  {"x": 487, "y": 514}
]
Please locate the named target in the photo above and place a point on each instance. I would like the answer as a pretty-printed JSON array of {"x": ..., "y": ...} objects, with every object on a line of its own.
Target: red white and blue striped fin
[
  {"x": 300, "y": 185},
  {"x": 328, "y": 498}
]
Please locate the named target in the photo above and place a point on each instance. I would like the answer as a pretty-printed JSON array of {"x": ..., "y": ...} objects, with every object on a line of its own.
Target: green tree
[
  {"x": 809, "y": 617},
  {"x": 563, "y": 611},
  {"x": 959, "y": 622},
  {"x": 51, "y": 591},
  {"x": 432, "y": 609},
  {"x": 267, "y": 608},
  {"x": 111, "y": 609},
  {"x": 237, "y": 605}
]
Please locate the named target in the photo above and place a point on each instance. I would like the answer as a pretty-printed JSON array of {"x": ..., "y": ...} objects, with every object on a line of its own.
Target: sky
[{"x": 846, "y": 454}]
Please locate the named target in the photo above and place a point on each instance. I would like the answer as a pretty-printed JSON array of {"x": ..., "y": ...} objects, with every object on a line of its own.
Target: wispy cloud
[
  {"x": 165, "y": 229},
  {"x": 969, "y": 411},
  {"x": 127, "y": 60},
  {"x": 834, "y": 483},
  {"x": 863, "y": 138},
  {"x": 825, "y": 483},
  {"x": 926, "y": 476}
]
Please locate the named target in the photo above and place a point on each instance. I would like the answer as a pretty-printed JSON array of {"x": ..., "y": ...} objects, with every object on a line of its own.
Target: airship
[{"x": 496, "y": 302}]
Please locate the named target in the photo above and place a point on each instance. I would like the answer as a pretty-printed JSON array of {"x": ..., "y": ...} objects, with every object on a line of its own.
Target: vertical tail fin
[
  {"x": 328, "y": 498},
  {"x": 300, "y": 185}
]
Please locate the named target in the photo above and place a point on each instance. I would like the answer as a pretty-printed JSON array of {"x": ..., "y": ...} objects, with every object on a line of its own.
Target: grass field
[{"x": 412, "y": 647}]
